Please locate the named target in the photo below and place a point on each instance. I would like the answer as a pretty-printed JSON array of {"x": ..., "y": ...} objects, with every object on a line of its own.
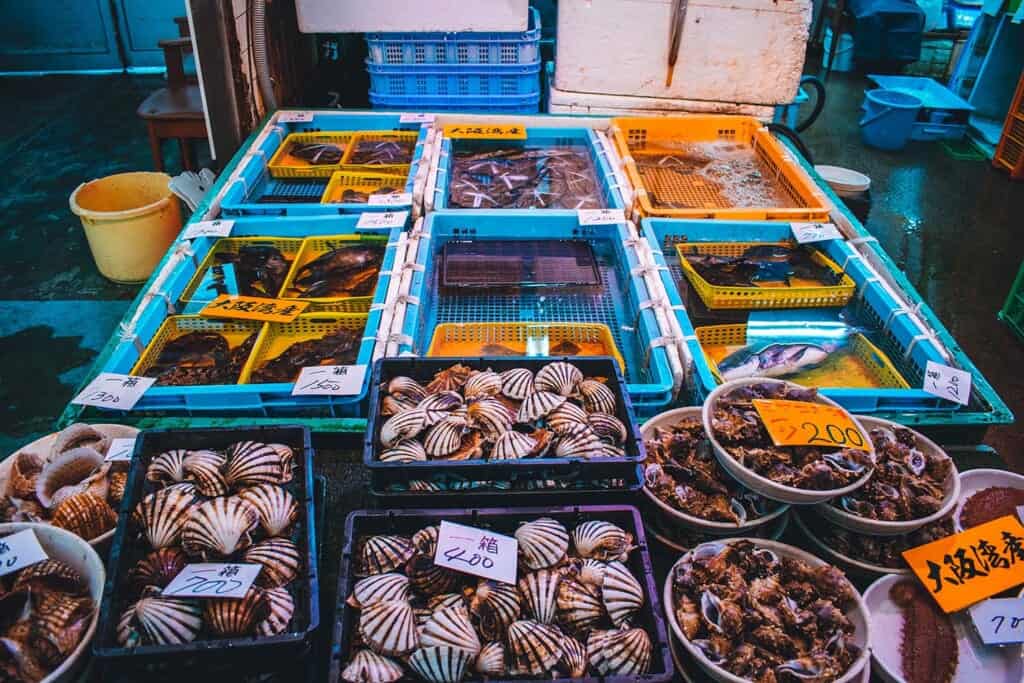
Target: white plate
[
  {"x": 977, "y": 663},
  {"x": 973, "y": 481},
  {"x": 845, "y": 179},
  {"x": 845, "y": 562}
]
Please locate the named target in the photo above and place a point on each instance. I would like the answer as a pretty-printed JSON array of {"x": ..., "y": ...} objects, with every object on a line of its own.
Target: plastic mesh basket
[
  {"x": 314, "y": 247},
  {"x": 234, "y": 331},
  {"x": 354, "y": 158},
  {"x": 363, "y": 183},
  {"x": 289, "y": 247},
  {"x": 285, "y": 165},
  {"x": 277, "y": 337}
]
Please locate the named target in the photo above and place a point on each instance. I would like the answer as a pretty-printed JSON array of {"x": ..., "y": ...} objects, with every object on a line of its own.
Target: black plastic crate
[
  {"x": 227, "y": 655},
  {"x": 506, "y": 520},
  {"x": 423, "y": 369}
]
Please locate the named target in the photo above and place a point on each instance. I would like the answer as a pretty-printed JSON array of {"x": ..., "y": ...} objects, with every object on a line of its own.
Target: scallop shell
[
  {"x": 21, "y": 480},
  {"x": 445, "y": 437},
  {"x": 621, "y": 592},
  {"x": 470, "y": 448},
  {"x": 574, "y": 658},
  {"x": 444, "y": 601},
  {"x": 280, "y": 608},
  {"x": 393, "y": 405},
  {"x": 203, "y": 468},
  {"x": 162, "y": 515},
  {"x": 602, "y": 541},
  {"x": 608, "y": 427},
  {"x": 517, "y": 383},
  {"x": 388, "y": 627},
  {"x": 280, "y": 558},
  {"x": 451, "y": 626},
  {"x": 79, "y": 435},
  {"x": 406, "y": 451},
  {"x": 118, "y": 482},
  {"x": 558, "y": 377},
  {"x": 85, "y": 515},
  {"x": 160, "y": 621},
  {"x": 450, "y": 379},
  {"x": 380, "y": 554},
  {"x": 512, "y": 445},
  {"x": 482, "y": 385},
  {"x": 579, "y": 606},
  {"x": 537, "y": 405},
  {"x": 50, "y": 575},
  {"x": 425, "y": 539},
  {"x": 275, "y": 506},
  {"x": 607, "y": 450},
  {"x": 58, "y": 623},
  {"x": 287, "y": 460},
  {"x": 66, "y": 469},
  {"x": 168, "y": 467},
  {"x": 597, "y": 397},
  {"x": 582, "y": 443},
  {"x": 491, "y": 417},
  {"x": 438, "y": 406},
  {"x": 219, "y": 527},
  {"x": 366, "y": 666},
  {"x": 158, "y": 568},
  {"x": 389, "y": 586},
  {"x": 440, "y": 664},
  {"x": 542, "y": 542},
  {"x": 566, "y": 419},
  {"x": 491, "y": 660},
  {"x": 495, "y": 605},
  {"x": 235, "y": 617},
  {"x": 619, "y": 653},
  {"x": 404, "y": 425},
  {"x": 406, "y": 387},
  {"x": 428, "y": 578},
  {"x": 250, "y": 463},
  {"x": 535, "y": 648},
  {"x": 540, "y": 590}
]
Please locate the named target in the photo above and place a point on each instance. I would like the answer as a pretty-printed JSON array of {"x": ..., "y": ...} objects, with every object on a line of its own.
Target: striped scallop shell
[
  {"x": 251, "y": 463},
  {"x": 425, "y": 539},
  {"x": 491, "y": 660},
  {"x": 392, "y": 405},
  {"x": 444, "y": 601},
  {"x": 579, "y": 606},
  {"x": 404, "y": 425},
  {"x": 440, "y": 664},
  {"x": 537, "y": 405},
  {"x": 445, "y": 437},
  {"x": 591, "y": 572},
  {"x": 203, "y": 468},
  {"x": 558, "y": 377},
  {"x": 275, "y": 505},
  {"x": 535, "y": 648},
  {"x": 482, "y": 384},
  {"x": 602, "y": 541},
  {"x": 219, "y": 527},
  {"x": 85, "y": 515},
  {"x": 608, "y": 427},
  {"x": 163, "y": 514},
  {"x": 389, "y": 586},
  {"x": 406, "y": 387},
  {"x": 58, "y": 623},
  {"x": 160, "y": 621},
  {"x": 438, "y": 406},
  {"x": 607, "y": 450},
  {"x": 581, "y": 443},
  {"x": 158, "y": 568},
  {"x": 366, "y": 666},
  {"x": 406, "y": 451},
  {"x": 388, "y": 628},
  {"x": 449, "y": 379},
  {"x": 118, "y": 482},
  {"x": 597, "y": 397},
  {"x": 619, "y": 653},
  {"x": 428, "y": 578},
  {"x": 422, "y": 485},
  {"x": 540, "y": 591},
  {"x": 49, "y": 575},
  {"x": 566, "y": 418},
  {"x": 517, "y": 383},
  {"x": 280, "y": 608},
  {"x": 280, "y": 559},
  {"x": 512, "y": 445},
  {"x": 621, "y": 592},
  {"x": 574, "y": 658},
  {"x": 235, "y": 617},
  {"x": 491, "y": 417},
  {"x": 542, "y": 542},
  {"x": 381, "y": 554},
  {"x": 495, "y": 605},
  {"x": 451, "y": 626},
  {"x": 287, "y": 460}
]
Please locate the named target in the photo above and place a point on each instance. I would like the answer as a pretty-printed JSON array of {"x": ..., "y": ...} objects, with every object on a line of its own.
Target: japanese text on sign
[
  {"x": 330, "y": 380},
  {"x": 382, "y": 219},
  {"x": 253, "y": 308},
  {"x": 217, "y": 228},
  {"x": 999, "y": 621},
  {"x": 295, "y": 117},
  {"x": 209, "y": 580},
  {"x": 393, "y": 199},
  {"x": 120, "y": 449},
  {"x": 19, "y": 550},
  {"x": 948, "y": 383},
  {"x": 513, "y": 131},
  {"x": 970, "y": 566},
  {"x": 815, "y": 232},
  {"x": 477, "y": 551},
  {"x": 600, "y": 216},
  {"x": 114, "y": 391},
  {"x": 798, "y": 423}
]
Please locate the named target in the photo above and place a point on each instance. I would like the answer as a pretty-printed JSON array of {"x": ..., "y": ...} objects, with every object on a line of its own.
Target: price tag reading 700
[
  {"x": 210, "y": 580},
  {"x": 798, "y": 423}
]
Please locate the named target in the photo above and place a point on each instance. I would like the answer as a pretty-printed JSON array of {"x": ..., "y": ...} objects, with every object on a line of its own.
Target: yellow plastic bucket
[{"x": 130, "y": 220}]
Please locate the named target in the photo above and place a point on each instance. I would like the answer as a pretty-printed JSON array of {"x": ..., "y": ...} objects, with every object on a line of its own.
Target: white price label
[
  {"x": 19, "y": 550},
  {"x": 416, "y": 118},
  {"x": 999, "y": 621},
  {"x": 217, "y": 228},
  {"x": 114, "y": 391},
  {"x": 815, "y": 232},
  {"x": 382, "y": 219},
  {"x": 295, "y": 117},
  {"x": 477, "y": 551},
  {"x": 948, "y": 383},
  {"x": 393, "y": 199},
  {"x": 601, "y": 216},
  {"x": 120, "y": 449},
  {"x": 330, "y": 380},
  {"x": 210, "y": 580}
]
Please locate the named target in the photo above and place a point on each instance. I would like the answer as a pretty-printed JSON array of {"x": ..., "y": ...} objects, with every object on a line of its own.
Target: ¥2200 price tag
[
  {"x": 999, "y": 621},
  {"x": 806, "y": 233},
  {"x": 393, "y": 199},
  {"x": 799, "y": 423},
  {"x": 253, "y": 308},
  {"x": 295, "y": 117},
  {"x": 217, "y": 228},
  {"x": 19, "y": 550},
  {"x": 382, "y": 219},
  {"x": 120, "y": 449},
  {"x": 948, "y": 383},
  {"x": 600, "y": 216},
  {"x": 114, "y": 391},
  {"x": 210, "y": 580},
  {"x": 511, "y": 131},
  {"x": 477, "y": 551},
  {"x": 330, "y": 380}
]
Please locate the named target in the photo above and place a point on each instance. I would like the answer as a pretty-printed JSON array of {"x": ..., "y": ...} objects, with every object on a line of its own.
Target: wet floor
[{"x": 949, "y": 224}]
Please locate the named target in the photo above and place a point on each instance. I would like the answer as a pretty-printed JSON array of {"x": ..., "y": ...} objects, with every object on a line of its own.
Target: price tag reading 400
[
  {"x": 475, "y": 551},
  {"x": 798, "y": 423}
]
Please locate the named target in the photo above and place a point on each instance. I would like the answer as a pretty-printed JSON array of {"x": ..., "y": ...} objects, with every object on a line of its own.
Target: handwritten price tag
[
  {"x": 798, "y": 423},
  {"x": 416, "y": 118},
  {"x": 968, "y": 567},
  {"x": 514, "y": 131},
  {"x": 330, "y": 380},
  {"x": 393, "y": 199},
  {"x": 600, "y": 216},
  {"x": 382, "y": 219},
  {"x": 217, "y": 228},
  {"x": 295, "y": 117},
  {"x": 253, "y": 308},
  {"x": 114, "y": 391},
  {"x": 120, "y": 449},
  {"x": 815, "y": 232},
  {"x": 999, "y": 621},
  {"x": 948, "y": 383},
  {"x": 209, "y": 580},
  {"x": 477, "y": 551},
  {"x": 19, "y": 550}
]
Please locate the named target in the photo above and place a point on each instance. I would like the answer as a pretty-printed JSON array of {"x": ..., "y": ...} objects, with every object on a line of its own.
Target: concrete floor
[{"x": 949, "y": 224}]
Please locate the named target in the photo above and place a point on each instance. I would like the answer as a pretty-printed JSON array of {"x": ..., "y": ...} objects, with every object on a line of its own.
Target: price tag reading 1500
[{"x": 798, "y": 423}]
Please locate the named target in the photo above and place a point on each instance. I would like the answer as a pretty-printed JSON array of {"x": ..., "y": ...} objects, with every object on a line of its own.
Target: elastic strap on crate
[
  {"x": 163, "y": 295},
  {"x": 260, "y": 152},
  {"x": 862, "y": 240},
  {"x": 408, "y": 299},
  {"x": 893, "y": 314},
  {"x": 864, "y": 287},
  {"x": 418, "y": 233},
  {"x": 395, "y": 337},
  {"x": 913, "y": 342},
  {"x": 647, "y": 270},
  {"x": 185, "y": 249},
  {"x": 851, "y": 257},
  {"x": 128, "y": 334},
  {"x": 663, "y": 341}
]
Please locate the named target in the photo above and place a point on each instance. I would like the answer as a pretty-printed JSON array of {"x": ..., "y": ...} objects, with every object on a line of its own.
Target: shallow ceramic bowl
[
  {"x": 763, "y": 485},
  {"x": 845, "y": 562},
  {"x": 773, "y": 532},
  {"x": 973, "y": 481}
]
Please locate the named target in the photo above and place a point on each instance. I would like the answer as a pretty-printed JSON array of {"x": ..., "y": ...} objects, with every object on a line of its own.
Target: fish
[
  {"x": 317, "y": 154},
  {"x": 775, "y": 360}
]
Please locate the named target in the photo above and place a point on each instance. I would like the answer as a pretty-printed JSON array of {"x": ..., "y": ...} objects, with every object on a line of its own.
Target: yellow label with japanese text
[
  {"x": 488, "y": 131},
  {"x": 968, "y": 567},
  {"x": 253, "y": 308},
  {"x": 799, "y": 423}
]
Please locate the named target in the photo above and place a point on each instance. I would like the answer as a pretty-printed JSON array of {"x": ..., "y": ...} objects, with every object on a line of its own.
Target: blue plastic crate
[
  {"x": 460, "y": 81},
  {"x": 512, "y": 47},
  {"x": 872, "y": 307},
  {"x": 494, "y": 104},
  {"x": 943, "y": 114},
  {"x": 616, "y": 302},
  {"x": 543, "y": 138},
  {"x": 254, "y": 399}
]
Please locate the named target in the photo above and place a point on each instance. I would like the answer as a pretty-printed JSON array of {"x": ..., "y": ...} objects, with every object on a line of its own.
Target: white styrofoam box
[
  {"x": 565, "y": 102},
  {"x": 749, "y": 51},
  {"x": 344, "y": 16}
]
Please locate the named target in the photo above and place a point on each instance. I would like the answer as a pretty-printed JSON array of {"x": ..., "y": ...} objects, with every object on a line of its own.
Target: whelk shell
[
  {"x": 50, "y": 575},
  {"x": 608, "y": 427},
  {"x": 579, "y": 606},
  {"x": 280, "y": 559},
  {"x": 542, "y": 542},
  {"x": 451, "y": 626},
  {"x": 445, "y": 437},
  {"x": 517, "y": 383},
  {"x": 574, "y": 658},
  {"x": 566, "y": 419},
  {"x": 280, "y": 608},
  {"x": 491, "y": 660},
  {"x": 366, "y": 666},
  {"x": 406, "y": 387},
  {"x": 428, "y": 578},
  {"x": 389, "y": 628},
  {"x": 79, "y": 435},
  {"x": 597, "y": 397},
  {"x": 158, "y": 568},
  {"x": 168, "y": 467},
  {"x": 440, "y": 664},
  {"x": 380, "y": 554},
  {"x": 482, "y": 384},
  {"x": 162, "y": 515},
  {"x": 25, "y": 469},
  {"x": 275, "y": 506},
  {"x": 620, "y": 653},
  {"x": 96, "y": 483},
  {"x": 159, "y": 621},
  {"x": 235, "y": 617},
  {"x": 406, "y": 451},
  {"x": 621, "y": 592},
  {"x": 402, "y": 426},
  {"x": 602, "y": 541},
  {"x": 558, "y": 377},
  {"x": 512, "y": 445},
  {"x": 251, "y": 463},
  {"x": 495, "y": 605},
  {"x": 219, "y": 527},
  {"x": 540, "y": 591},
  {"x": 491, "y": 417},
  {"x": 537, "y": 405},
  {"x": 66, "y": 469},
  {"x": 535, "y": 648},
  {"x": 389, "y": 586}
]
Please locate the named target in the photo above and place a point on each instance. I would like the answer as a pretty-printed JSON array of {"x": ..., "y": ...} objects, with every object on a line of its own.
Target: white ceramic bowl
[
  {"x": 976, "y": 663},
  {"x": 773, "y": 532},
  {"x": 848, "y": 564},
  {"x": 71, "y": 550},
  {"x": 673, "y": 516},
  {"x": 973, "y": 481},
  {"x": 877, "y": 527},
  {"x": 763, "y": 485},
  {"x": 858, "y": 615}
]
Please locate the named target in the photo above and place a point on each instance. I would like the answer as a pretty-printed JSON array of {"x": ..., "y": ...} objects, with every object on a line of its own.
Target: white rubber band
[
  {"x": 892, "y": 316},
  {"x": 854, "y": 255},
  {"x": 862, "y": 240},
  {"x": 913, "y": 343}
]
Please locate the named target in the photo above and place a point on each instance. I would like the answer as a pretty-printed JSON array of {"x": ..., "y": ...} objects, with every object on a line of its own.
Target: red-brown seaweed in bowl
[{"x": 989, "y": 504}]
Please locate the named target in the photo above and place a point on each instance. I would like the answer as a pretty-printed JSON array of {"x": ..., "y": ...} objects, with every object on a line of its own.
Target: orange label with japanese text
[
  {"x": 489, "y": 131},
  {"x": 798, "y": 423},
  {"x": 968, "y": 567},
  {"x": 253, "y": 308}
]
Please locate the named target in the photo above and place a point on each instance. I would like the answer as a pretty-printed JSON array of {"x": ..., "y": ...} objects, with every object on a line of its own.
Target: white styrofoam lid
[{"x": 844, "y": 178}]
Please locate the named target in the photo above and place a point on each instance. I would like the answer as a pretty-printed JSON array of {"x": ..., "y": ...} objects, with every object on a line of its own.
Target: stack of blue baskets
[{"x": 484, "y": 72}]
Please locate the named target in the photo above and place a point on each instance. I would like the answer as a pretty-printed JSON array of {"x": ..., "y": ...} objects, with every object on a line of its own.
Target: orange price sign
[
  {"x": 253, "y": 308},
  {"x": 798, "y": 423},
  {"x": 968, "y": 567},
  {"x": 489, "y": 131}
]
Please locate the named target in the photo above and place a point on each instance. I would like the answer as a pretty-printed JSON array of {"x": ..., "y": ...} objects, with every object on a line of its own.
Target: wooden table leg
[
  {"x": 187, "y": 160},
  {"x": 155, "y": 148}
]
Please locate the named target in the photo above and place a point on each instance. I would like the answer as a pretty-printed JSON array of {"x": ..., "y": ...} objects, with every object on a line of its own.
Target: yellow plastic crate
[
  {"x": 312, "y": 248},
  {"x": 234, "y": 331},
  {"x": 879, "y": 370},
  {"x": 289, "y": 246},
  {"x": 725, "y": 296},
  {"x": 367, "y": 183},
  {"x": 472, "y": 339},
  {"x": 277, "y": 337},
  {"x": 640, "y": 137},
  {"x": 350, "y": 162},
  {"x": 284, "y": 165}
]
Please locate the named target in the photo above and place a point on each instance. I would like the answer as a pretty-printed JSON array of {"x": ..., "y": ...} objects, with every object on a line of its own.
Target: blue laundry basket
[{"x": 888, "y": 119}]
